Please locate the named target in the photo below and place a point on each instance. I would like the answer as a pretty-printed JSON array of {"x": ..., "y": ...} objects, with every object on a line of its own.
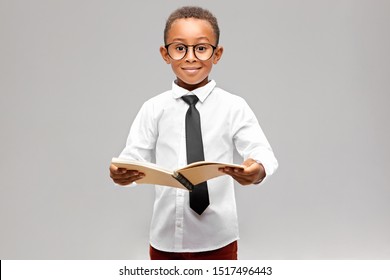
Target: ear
[
  {"x": 164, "y": 54},
  {"x": 217, "y": 54}
]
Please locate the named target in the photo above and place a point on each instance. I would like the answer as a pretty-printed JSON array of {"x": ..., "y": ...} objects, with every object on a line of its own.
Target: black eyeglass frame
[{"x": 193, "y": 47}]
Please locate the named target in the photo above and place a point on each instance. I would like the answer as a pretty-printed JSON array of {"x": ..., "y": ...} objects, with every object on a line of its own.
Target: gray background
[{"x": 73, "y": 74}]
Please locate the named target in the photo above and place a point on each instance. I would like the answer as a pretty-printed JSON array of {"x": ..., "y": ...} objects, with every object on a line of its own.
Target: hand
[
  {"x": 123, "y": 177},
  {"x": 252, "y": 173}
]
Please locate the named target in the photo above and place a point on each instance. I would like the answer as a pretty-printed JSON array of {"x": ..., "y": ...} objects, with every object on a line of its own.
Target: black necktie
[{"x": 199, "y": 197}]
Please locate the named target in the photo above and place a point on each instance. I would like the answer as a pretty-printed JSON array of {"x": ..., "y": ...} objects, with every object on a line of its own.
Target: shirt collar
[{"x": 202, "y": 93}]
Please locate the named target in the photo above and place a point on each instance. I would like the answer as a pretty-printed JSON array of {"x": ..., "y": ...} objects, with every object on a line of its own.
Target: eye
[
  {"x": 201, "y": 48},
  {"x": 180, "y": 48}
]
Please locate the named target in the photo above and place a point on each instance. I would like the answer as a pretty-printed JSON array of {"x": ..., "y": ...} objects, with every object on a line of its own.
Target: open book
[{"x": 184, "y": 178}]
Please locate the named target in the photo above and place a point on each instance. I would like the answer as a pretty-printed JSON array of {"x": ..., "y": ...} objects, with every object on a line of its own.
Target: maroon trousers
[{"x": 229, "y": 252}]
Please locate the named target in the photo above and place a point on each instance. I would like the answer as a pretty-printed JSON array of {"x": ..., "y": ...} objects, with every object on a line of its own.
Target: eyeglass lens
[{"x": 178, "y": 51}]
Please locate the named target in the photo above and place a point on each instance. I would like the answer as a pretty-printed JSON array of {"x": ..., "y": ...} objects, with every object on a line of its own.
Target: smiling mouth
[{"x": 191, "y": 69}]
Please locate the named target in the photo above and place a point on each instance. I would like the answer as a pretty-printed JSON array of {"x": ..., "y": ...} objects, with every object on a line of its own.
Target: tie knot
[{"x": 190, "y": 99}]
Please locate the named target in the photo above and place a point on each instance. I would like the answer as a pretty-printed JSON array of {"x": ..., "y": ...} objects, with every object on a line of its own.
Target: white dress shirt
[{"x": 158, "y": 134}]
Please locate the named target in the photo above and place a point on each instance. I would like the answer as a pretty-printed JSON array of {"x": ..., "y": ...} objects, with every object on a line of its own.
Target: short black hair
[{"x": 192, "y": 12}]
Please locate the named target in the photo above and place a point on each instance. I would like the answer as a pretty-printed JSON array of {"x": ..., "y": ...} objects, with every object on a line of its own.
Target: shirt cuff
[{"x": 262, "y": 179}]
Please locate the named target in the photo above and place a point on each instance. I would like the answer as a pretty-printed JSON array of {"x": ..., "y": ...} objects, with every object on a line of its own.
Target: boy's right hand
[{"x": 123, "y": 177}]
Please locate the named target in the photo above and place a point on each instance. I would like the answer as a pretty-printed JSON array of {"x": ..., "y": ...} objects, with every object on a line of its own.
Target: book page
[
  {"x": 154, "y": 174},
  {"x": 201, "y": 171}
]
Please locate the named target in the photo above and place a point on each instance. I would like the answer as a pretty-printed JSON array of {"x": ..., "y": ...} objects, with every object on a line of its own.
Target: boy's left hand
[{"x": 253, "y": 172}]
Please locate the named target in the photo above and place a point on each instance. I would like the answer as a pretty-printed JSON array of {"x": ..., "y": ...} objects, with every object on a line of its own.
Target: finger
[
  {"x": 247, "y": 175},
  {"x": 128, "y": 180},
  {"x": 239, "y": 177},
  {"x": 242, "y": 181},
  {"x": 119, "y": 175},
  {"x": 235, "y": 171},
  {"x": 254, "y": 168},
  {"x": 117, "y": 170},
  {"x": 129, "y": 174},
  {"x": 227, "y": 169}
]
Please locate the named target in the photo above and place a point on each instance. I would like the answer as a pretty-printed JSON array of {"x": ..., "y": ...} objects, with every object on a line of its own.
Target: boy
[{"x": 164, "y": 129}]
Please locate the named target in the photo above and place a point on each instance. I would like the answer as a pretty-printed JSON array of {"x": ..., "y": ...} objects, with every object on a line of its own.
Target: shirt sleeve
[
  {"x": 250, "y": 140},
  {"x": 141, "y": 141}
]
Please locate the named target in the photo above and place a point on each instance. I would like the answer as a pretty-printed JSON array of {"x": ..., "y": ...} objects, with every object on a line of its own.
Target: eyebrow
[{"x": 184, "y": 39}]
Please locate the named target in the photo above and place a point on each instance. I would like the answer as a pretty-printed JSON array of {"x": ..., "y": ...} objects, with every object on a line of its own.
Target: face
[{"x": 191, "y": 72}]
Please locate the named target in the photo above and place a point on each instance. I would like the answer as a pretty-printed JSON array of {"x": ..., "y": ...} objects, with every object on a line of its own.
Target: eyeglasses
[{"x": 202, "y": 51}]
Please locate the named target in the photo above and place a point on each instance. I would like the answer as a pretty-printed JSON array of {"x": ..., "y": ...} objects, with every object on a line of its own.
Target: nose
[{"x": 190, "y": 55}]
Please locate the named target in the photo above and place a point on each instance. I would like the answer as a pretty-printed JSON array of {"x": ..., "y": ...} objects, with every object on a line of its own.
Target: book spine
[{"x": 184, "y": 181}]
